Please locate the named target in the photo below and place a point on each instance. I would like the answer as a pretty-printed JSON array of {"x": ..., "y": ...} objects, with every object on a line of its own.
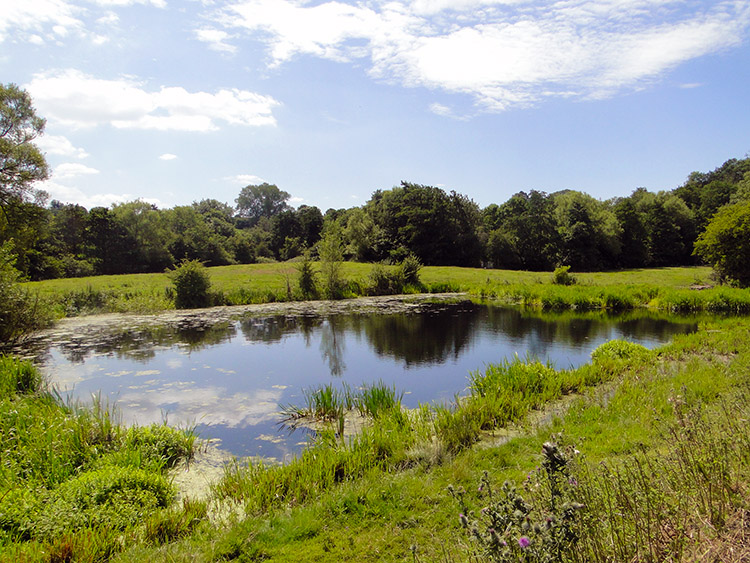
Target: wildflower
[
  {"x": 464, "y": 520},
  {"x": 523, "y": 542}
]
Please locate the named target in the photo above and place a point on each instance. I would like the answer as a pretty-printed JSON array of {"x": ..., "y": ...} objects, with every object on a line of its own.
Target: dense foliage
[
  {"x": 725, "y": 243},
  {"x": 531, "y": 230}
]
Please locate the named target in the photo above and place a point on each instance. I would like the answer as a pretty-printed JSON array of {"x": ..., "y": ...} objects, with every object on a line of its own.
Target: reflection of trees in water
[
  {"x": 424, "y": 338},
  {"x": 139, "y": 344},
  {"x": 578, "y": 328},
  {"x": 429, "y": 336},
  {"x": 332, "y": 344},
  {"x": 273, "y": 329}
]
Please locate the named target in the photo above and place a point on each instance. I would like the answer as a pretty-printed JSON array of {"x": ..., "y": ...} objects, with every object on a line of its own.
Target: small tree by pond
[
  {"x": 725, "y": 244},
  {"x": 308, "y": 285},
  {"x": 331, "y": 252},
  {"x": 20, "y": 312},
  {"x": 192, "y": 283}
]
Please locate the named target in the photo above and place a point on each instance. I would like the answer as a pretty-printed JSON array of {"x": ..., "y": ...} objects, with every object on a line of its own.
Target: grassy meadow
[
  {"x": 665, "y": 289},
  {"x": 638, "y": 455}
]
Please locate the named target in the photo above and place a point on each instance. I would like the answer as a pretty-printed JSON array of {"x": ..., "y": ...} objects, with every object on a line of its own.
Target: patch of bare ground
[{"x": 732, "y": 545}]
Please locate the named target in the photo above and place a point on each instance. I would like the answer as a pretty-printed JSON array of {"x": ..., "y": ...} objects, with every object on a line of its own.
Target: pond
[{"x": 228, "y": 378}]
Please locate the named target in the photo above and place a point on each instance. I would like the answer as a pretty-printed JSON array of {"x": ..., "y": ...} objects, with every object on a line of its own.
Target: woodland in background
[{"x": 531, "y": 231}]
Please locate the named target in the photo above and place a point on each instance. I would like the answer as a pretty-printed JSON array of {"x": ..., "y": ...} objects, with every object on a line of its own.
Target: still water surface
[{"x": 229, "y": 380}]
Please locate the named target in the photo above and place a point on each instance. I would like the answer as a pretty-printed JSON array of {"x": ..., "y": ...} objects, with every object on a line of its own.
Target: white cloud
[
  {"x": 168, "y": 156},
  {"x": 29, "y": 16},
  {"x": 124, "y": 3},
  {"x": 216, "y": 39},
  {"x": 72, "y": 194},
  {"x": 245, "y": 179},
  {"x": 68, "y": 170},
  {"x": 503, "y": 53},
  {"x": 74, "y": 99},
  {"x": 59, "y": 145}
]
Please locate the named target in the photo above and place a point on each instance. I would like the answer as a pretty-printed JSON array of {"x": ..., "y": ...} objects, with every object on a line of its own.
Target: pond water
[{"x": 229, "y": 379}]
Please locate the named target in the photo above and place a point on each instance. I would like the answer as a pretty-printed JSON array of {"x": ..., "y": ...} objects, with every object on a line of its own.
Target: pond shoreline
[{"x": 93, "y": 330}]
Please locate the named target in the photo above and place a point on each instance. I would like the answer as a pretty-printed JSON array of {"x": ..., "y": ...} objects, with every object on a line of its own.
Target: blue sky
[{"x": 173, "y": 102}]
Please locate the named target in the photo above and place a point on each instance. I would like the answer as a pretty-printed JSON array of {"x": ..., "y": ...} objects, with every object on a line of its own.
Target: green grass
[
  {"x": 663, "y": 471},
  {"x": 69, "y": 472},
  {"x": 663, "y": 288},
  {"x": 663, "y": 442}
]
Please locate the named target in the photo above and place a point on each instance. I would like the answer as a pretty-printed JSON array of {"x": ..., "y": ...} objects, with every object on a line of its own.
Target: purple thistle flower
[{"x": 523, "y": 542}]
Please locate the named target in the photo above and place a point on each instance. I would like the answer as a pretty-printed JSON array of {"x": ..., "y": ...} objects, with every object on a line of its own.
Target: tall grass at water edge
[
  {"x": 70, "y": 469},
  {"x": 502, "y": 395},
  {"x": 621, "y": 298},
  {"x": 379, "y": 493}
]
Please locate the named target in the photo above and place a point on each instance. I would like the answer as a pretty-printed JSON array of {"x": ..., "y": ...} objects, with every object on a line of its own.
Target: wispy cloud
[
  {"x": 78, "y": 100},
  {"x": 245, "y": 179},
  {"x": 502, "y": 53},
  {"x": 59, "y": 145},
  {"x": 216, "y": 39},
  {"x": 68, "y": 170},
  {"x": 168, "y": 156},
  {"x": 33, "y": 17}
]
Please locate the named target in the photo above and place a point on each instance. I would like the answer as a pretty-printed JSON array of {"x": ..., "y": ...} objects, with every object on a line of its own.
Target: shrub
[
  {"x": 20, "y": 312},
  {"x": 191, "y": 284},
  {"x": 725, "y": 244},
  {"x": 18, "y": 377},
  {"x": 562, "y": 276},
  {"x": 409, "y": 271},
  {"x": 306, "y": 275},
  {"x": 115, "y": 497}
]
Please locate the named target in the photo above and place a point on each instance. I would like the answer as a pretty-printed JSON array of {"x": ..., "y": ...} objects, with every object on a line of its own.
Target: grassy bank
[
  {"x": 661, "y": 288},
  {"x": 662, "y": 471},
  {"x": 73, "y": 482}
]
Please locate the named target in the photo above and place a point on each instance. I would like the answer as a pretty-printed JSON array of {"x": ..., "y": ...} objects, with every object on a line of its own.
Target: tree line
[{"x": 532, "y": 230}]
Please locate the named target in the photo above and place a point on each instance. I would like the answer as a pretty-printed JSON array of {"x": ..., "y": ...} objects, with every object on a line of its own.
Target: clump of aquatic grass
[
  {"x": 374, "y": 400},
  {"x": 18, "y": 377},
  {"x": 168, "y": 525},
  {"x": 619, "y": 350},
  {"x": 324, "y": 402},
  {"x": 326, "y": 463}
]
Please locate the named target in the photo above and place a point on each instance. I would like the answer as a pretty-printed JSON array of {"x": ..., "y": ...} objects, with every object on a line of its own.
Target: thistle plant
[{"x": 540, "y": 528}]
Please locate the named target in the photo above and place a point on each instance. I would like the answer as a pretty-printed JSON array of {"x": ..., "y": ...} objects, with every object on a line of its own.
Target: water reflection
[{"x": 230, "y": 378}]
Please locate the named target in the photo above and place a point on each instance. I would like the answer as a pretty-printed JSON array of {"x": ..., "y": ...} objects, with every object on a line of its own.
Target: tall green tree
[
  {"x": 21, "y": 162},
  {"x": 262, "y": 200},
  {"x": 148, "y": 227},
  {"x": 528, "y": 221},
  {"x": 725, "y": 244},
  {"x": 437, "y": 227},
  {"x": 589, "y": 232}
]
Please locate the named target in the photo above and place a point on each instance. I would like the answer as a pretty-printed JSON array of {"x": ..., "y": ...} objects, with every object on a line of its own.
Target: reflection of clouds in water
[
  {"x": 147, "y": 372},
  {"x": 66, "y": 376},
  {"x": 118, "y": 373},
  {"x": 174, "y": 363},
  {"x": 204, "y": 405},
  {"x": 227, "y": 371}
]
